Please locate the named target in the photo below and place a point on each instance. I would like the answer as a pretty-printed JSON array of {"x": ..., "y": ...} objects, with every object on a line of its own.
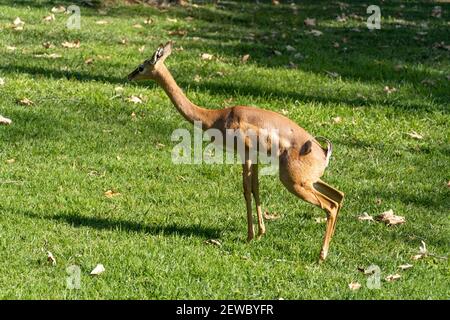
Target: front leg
[
  {"x": 247, "y": 180},
  {"x": 255, "y": 191}
]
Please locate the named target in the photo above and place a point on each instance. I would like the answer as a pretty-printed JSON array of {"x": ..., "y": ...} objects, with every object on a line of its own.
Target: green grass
[{"x": 79, "y": 140}]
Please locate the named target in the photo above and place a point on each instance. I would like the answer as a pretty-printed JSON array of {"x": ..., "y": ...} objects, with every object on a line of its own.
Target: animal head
[{"x": 149, "y": 68}]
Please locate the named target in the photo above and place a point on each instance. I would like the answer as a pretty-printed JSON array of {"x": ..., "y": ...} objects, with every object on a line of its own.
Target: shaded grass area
[{"x": 79, "y": 140}]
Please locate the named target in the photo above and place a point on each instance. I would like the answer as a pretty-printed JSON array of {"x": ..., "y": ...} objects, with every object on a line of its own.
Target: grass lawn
[{"x": 81, "y": 137}]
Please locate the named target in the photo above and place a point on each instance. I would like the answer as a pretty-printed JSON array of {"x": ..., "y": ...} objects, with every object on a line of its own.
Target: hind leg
[{"x": 311, "y": 195}]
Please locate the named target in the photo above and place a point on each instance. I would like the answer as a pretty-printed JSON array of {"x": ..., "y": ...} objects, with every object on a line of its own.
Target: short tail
[{"x": 328, "y": 150}]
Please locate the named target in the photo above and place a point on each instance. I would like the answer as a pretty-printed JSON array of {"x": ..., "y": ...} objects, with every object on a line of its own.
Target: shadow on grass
[{"x": 80, "y": 221}]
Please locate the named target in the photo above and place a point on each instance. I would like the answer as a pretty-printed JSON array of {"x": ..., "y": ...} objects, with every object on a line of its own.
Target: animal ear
[
  {"x": 167, "y": 50},
  {"x": 306, "y": 148}
]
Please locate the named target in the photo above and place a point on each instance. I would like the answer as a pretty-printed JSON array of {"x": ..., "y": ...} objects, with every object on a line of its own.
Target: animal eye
[{"x": 141, "y": 68}]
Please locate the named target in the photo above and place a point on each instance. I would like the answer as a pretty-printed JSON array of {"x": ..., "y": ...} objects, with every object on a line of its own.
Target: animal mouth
[{"x": 132, "y": 75}]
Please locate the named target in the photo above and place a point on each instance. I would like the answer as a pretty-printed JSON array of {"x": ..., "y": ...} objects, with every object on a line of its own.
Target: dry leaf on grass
[
  {"x": 50, "y": 56},
  {"x": 49, "y": 18},
  {"x": 393, "y": 277},
  {"x": 405, "y": 266},
  {"x": 206, "y": 56},
  {"x": 390, "y": 218},
  {"x": 51, "y": 258},
  {"x": 245, "y": 58},
  {"x": 10, "y": 161},
  {"x": 436, "y": 12},
  {"x": 2, "y": 82},
  {"x": 180, "y": 33},
  {"x": 148, "y": 21},
  {"x": 137, "y": 26},
  {"x": 141, "y": 49},
  {"x": 309, "y": 22},
  {"x": 320, "y": 220},
  {"x": 337, "y": 120},
  {"x": 11, "y": 48},
  {"x": 25, "y": 102},
  {"x": 315, "y": 32},
  {"x": 448, "y": 184},
  {"x": 415, "y": 135},
  {"x": 5, "y": 121},
  {"x": 71, "y": 45},
  {"x": 18, "y": 24},
  {"x": 111, "y": 194},
  {"x": 134, "y": 99},
  {"x": 365, "y": 217},
  {"x": 89, "y": 61},
  {"x": 332, "y": 74},
  {"x": 389, "y": 90},
  {"x": 197, "y": 78},
  {"x": 160, "y": 145},
  {"x": 47, "y": 45},
  {"x": 268, "y": 216},
  {"x": 98, "y": 270},
  {"x": 290, "y": 48},
  {"x": 354, "y": 286},
  {"x": 101, "y": 22},
  {"x": 172, "y": 20},
  {"x": 213, "y": 242},
  {"x": 59, "y": 9}
]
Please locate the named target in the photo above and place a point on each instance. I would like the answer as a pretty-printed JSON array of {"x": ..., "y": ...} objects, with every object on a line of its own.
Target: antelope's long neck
[{"x": 188, "y": 110}]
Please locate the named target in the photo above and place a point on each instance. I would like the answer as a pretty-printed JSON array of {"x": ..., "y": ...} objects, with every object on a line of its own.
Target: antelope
[{"x": 302, "y": 158}]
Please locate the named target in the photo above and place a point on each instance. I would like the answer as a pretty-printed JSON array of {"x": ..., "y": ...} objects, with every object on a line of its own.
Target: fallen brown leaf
[
  {"x": 213, "y": 242},
  {"x": 206, "y": 56},
  {"x": 71, "y": 45},
  {"x": 436, "y": 12},
  {"x": 101, "y": 22},
  {"x": 337, "y": 120},
  {"x": 393, "y": 277},
  {"x": 5, "y": 121},
  {"x": 390, "y": 219},
  {"x": 137, "y": 26},
  {"x": 11, "y": 48},
  {"x": 10, "y": 161},
  {"x": 99, "y": 268},
  {"x": 268, "y": 216},
  {"x": 354, "y": 286},
  {"x": 178, "y": 33},
  {"x": 26, "y": 102},
  {"x": 389, "y": 90},
  {"x": 365, "y": 217},
  {"x": 309, "y": 22},
  {"x": 59, "y": 9},
  {"x": 51, "y": 258},
  {"x": 89, "y": 61},
  {"x": 111, "y": 194},
  {"x": 18, "y": 24},
  {"x": 415, "y": 135},
  {"x": 315, "y": 33},
  {"x": 197, "y": 78},
  {"x": 290, "y": 48},
  {"x": 134, "y": 99},
  {"x": 49, "y": 18},
  {"x": 245, "y": 58},
  {"x": 47, "y": 45},
  {"x": 405, "y": 266}
]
